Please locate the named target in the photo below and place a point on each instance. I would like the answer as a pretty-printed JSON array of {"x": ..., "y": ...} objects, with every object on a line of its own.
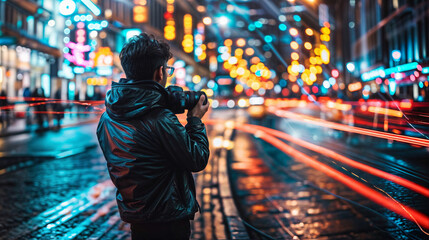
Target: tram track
[
  {"x": 274, "y": 164},
  {"x": 270, "y": 208},
  {"x": 377, "y": 160},
  {"x": 369, "y": 157}
]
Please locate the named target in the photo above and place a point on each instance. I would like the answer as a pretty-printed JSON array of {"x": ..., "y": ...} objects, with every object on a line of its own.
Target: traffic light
[{"x": 140, "y": 14}]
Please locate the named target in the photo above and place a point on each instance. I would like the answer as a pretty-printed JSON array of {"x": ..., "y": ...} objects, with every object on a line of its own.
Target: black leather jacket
[{"x": 149, "y": 154}]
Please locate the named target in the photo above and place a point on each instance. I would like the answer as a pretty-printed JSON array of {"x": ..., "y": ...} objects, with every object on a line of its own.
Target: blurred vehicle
[
  {"x": 223, "y": 103},
  {"x": 257, "y": 108}
]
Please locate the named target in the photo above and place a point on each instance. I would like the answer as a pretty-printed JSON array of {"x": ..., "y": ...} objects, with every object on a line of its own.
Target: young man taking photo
[{"x": 150, "y": 155}]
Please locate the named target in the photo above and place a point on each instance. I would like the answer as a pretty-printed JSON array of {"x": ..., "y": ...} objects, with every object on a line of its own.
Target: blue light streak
[{"x": 91, "y": 6}]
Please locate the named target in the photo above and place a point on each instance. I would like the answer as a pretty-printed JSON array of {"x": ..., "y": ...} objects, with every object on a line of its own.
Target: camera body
[{"x": 179, "y": 100}]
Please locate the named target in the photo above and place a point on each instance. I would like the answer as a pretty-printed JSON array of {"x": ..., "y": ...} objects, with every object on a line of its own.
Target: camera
[{"x": 179, "y": 100}]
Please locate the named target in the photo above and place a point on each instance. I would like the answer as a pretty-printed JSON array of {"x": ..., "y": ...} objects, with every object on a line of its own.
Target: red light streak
[
  {"x": 37, "y": 101},
  {"x": 391, "y": 204},
  {"x": 390, "y": 112},
  {"x": 352, "y": 129},
  {"x": 329, "y": 153}
]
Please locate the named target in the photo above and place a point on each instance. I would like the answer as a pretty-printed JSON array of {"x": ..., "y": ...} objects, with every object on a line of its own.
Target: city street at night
[{"x": 317, "y": 124}]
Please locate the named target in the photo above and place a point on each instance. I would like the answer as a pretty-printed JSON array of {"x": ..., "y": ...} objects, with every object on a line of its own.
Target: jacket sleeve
[{"x": 187, "y": 146}]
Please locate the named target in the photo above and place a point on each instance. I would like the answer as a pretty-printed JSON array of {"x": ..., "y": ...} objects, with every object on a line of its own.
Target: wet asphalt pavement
[
  {"x": 41, "y": 171},
  {"x": 55, "y": 185}
]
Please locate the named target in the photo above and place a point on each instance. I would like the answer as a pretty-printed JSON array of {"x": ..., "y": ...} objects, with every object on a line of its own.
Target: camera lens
[
  {"x": 179, "y": 100},
  {"x": 193, "y": 97}
]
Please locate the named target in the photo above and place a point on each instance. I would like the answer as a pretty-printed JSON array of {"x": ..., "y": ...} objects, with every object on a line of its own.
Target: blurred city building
[
  {"x": 383, "y": 44},
  {"x": 74, "y": 45},
  {"x": 303, "y": 49}
]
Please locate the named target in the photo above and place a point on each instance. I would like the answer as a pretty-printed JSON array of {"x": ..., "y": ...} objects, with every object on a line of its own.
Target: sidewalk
[{"x": 19, "y": 126}]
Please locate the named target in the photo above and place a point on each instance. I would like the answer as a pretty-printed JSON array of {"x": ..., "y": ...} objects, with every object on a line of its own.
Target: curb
[{"x": 234, "y": 223}]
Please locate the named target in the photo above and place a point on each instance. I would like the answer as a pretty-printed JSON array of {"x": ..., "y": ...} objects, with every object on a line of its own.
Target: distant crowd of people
[{"x": 41, "y": 110}]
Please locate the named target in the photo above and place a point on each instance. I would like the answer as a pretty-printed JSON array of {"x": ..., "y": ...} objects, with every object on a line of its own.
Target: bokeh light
[
  {"x": 294, "y": 45},
  {"x": 309, "y": 32},
  {"x": 293, "y": 32}
]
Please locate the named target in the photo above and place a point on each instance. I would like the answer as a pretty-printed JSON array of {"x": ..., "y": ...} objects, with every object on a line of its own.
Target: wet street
[
  {"x": 316, "y": 112},
  {"x": 51, "y": 182},
  {"x": 54, "y": 184}
]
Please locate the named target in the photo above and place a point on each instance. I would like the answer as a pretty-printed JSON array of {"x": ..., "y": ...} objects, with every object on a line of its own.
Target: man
[{"x": 150, "y": 155}]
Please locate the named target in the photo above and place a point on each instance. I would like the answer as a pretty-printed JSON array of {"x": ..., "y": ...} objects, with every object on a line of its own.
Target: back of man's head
[{"x": 142, "y": 55}]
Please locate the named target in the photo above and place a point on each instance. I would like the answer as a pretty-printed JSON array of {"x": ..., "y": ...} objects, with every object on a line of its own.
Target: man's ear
[{"x": 158, "y": 74}]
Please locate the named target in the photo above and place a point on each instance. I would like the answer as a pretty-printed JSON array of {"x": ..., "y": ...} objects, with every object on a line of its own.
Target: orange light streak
[
  {"x": 407, "y": 212},
  {"x": 329, "y": 153},
  {"x": 387, "y": 111},
  {"x": 391, "y": 204},
  {"x": 405, "y": 105},
  {"x": 339, "y": 106},
  {"x": 352, "y": 129}
]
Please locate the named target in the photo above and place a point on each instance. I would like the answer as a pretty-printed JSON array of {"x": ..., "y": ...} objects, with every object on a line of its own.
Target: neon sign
[
  {"x": 91, "y": 6},
  {"x": 77, "y": 55},
  {"x": 67, "y": 7},
  {"x": 104, "y": 61}
]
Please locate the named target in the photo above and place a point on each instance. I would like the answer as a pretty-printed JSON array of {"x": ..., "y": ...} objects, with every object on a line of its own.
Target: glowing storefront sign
[
  {"x": 77, "y": 55},
  {"x": 67, "y": 7},
  {"x": 82, "y": 17},
  {"x": 129, "y": 33},
  {"x": 224, "y": 81},
  {"x": 71, "y": 92},
  {"x": 91, "y": 6},
  {"x": 75, "y": 51},
  {"x": 103, "y": 60},
  {"x": 200, "y": 48},
  {"x": 97, "y": 81},
  {"x": 188, "y": 38},
  {"x": 78, "y": 70},
  {"x": 2, "y": 74},
  {"x": 170, "y": 24},
  {"x": 381, "y": 72},
  {"x": 46, "y": 84},
  {"x": 373, "y": 74},
  {"x": 104, "y": 71},
  {"x": 103, "y": 57},
  {"x": 401, "y": 68},
  {"x": 353, "y": 87}
]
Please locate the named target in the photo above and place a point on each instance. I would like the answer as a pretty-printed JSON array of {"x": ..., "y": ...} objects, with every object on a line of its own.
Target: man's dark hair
[{"x": 142, "y": 55}]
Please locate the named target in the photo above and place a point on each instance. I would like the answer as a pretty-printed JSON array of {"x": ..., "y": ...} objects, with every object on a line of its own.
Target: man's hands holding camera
[{"x": 199, "y": 110}]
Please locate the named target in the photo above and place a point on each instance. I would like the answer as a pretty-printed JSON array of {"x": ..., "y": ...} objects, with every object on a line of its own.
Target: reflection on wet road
[{"x": 290, "y": 179}]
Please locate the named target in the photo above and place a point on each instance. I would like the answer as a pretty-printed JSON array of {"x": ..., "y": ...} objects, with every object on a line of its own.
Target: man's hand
[{"x": 199, "y": 110}]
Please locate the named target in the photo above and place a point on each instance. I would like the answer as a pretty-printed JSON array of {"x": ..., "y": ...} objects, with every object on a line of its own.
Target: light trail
[
  {"x": 407, "y": 212},
  {"x": 34, "y": 102},
  {"x": 386, "y": 111},
  {"x": 388, "y": 202},
  {"x": 392, "y": 125},
  {"x": 37, "y": 99},
  {"x": 329, "y": 153},
  {"x": 352, "y": 129}
]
